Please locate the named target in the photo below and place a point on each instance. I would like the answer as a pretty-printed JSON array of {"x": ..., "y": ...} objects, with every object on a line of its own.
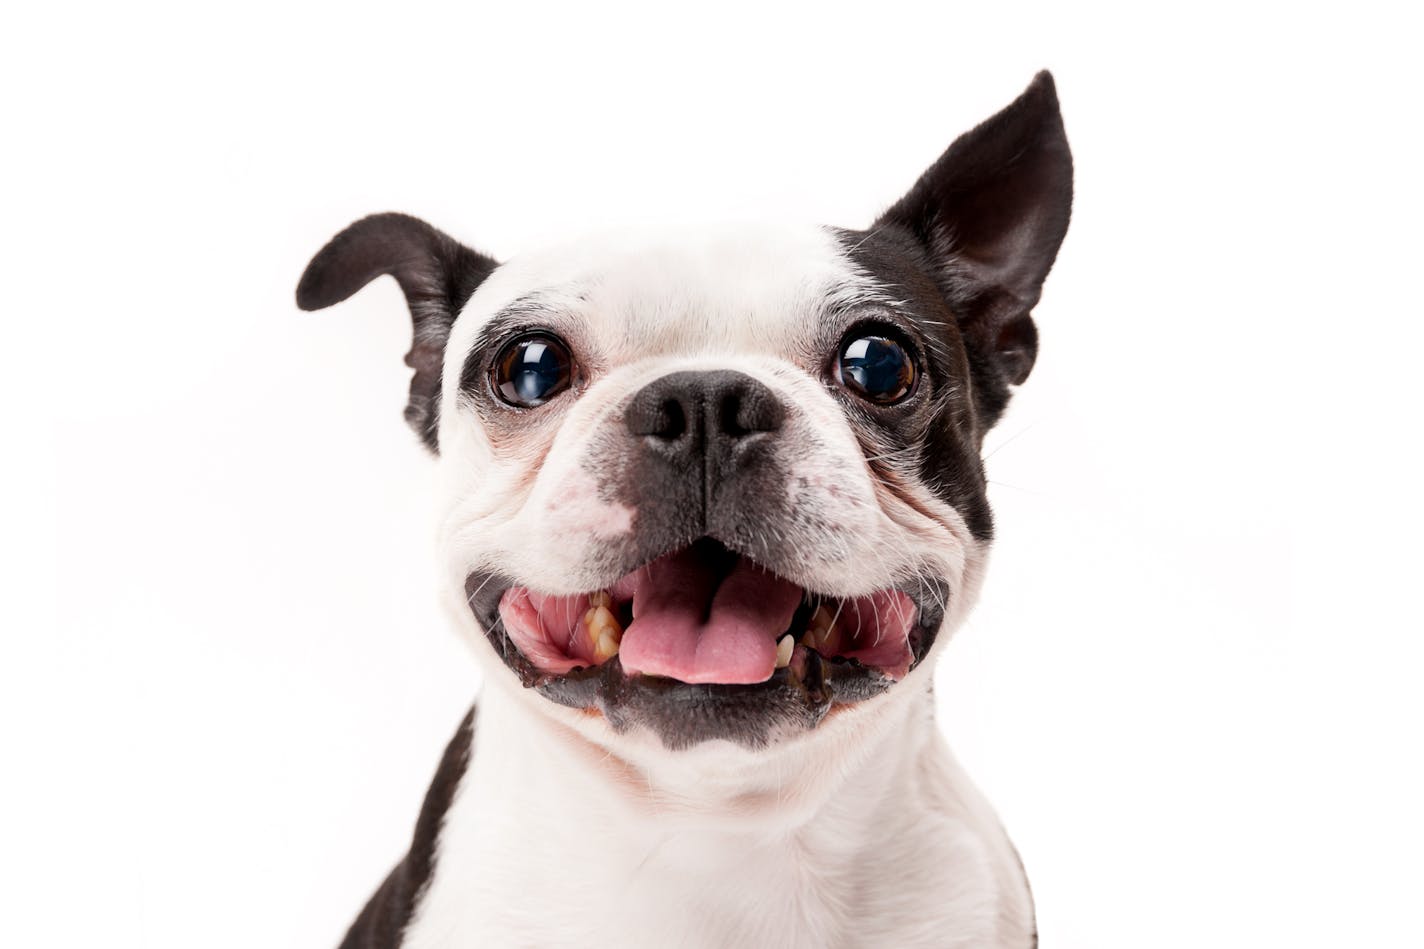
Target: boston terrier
[{"x": 711, "y": 503}]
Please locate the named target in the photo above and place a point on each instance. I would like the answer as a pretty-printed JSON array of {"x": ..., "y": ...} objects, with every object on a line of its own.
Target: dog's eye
[
  {"x": 532, "y": 370},
  {"x": 876, "y": 368}
]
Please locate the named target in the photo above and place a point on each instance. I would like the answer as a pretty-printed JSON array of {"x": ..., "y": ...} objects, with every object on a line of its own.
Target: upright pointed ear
[
  {"x": 436, "y": 273},
  {"x": 991, "y": 213}
]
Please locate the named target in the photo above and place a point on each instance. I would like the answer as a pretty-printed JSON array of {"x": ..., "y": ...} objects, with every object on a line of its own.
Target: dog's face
[{"x": 717, "y": 486}]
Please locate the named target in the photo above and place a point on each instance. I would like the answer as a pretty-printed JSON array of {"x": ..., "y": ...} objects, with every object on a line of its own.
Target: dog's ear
[
  {"x": 436, "y": 273},
  {"x": 991, "y": 213}
]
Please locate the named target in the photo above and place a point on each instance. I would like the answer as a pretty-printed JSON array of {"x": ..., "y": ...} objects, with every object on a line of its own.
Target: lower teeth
[
  {"x": 821, "y": 631},
  {"x": 604, "y": 631},
  {"x": 784, "y": 647}
]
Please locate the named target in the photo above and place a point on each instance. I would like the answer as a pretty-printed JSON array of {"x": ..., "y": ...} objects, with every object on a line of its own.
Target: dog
[{"x": 711, "y": 503}]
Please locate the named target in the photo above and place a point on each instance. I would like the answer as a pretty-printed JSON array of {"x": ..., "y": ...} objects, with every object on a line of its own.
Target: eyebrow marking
[
  {"x": 518, "y": 314},
  {"x": 860, "y": 292}
]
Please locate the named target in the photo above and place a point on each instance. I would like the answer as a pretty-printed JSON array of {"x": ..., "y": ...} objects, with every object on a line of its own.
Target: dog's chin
[{"x": 704, "y": 643}]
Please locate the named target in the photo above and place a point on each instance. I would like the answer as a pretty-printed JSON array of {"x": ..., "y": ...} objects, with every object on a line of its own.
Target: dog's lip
[{"x": 810, "y": 685}]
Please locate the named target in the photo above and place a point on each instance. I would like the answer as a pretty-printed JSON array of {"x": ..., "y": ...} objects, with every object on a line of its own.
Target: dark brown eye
[
  {"x": 876, "y": 368},
  {"x": 531, "y": 370}
]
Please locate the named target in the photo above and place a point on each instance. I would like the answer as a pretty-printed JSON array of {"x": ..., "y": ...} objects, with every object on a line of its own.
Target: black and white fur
[{"x": 598, "y": 820}]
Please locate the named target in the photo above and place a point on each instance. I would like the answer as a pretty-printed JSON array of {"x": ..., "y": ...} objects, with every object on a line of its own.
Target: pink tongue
[{"x": 675, "y": 634}]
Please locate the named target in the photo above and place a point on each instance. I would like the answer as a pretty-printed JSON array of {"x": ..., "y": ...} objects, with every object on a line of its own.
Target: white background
[{"x": 1192, "y": 688}]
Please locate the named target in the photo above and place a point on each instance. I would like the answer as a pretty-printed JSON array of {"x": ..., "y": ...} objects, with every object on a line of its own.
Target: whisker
[
  {"x": 471, "y": 598},
  {"x": 893, "y": 452},
  {"x": 1009, "y": 441},
  {"x": 900, "y": 613}
]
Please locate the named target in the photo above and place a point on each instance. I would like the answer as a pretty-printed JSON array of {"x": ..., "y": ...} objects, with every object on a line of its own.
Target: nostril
[
  {"x": 692, "y": 408},
  {"x": 657, "y": 413},
  {"x": 746, "y": 410},
  {"x": 730, "y": 412},
  {"x": 671, "y": 420}
]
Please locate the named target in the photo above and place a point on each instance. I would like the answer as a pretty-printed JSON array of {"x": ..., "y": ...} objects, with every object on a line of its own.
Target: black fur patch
[
  {"x": 989, "y": 217},
  {"x": 436, "y": 273},
  {"x": 966, "y": 250},
  {"x": 933, "y": 438},
  {"x": 382, "y": 923}
]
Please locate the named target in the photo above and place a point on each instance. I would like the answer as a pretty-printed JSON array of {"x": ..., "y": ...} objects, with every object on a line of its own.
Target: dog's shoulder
[{"x": 382, "y": 922}]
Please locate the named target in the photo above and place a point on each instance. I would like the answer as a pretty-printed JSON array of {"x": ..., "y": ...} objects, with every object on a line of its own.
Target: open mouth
[{"x": 713, "y": 631}]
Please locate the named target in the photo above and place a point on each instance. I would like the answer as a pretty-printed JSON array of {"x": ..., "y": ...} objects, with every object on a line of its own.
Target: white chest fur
[{"x": 550, "y": 843}]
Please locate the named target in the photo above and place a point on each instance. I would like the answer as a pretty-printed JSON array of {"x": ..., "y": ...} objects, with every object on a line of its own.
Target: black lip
[{"x": 684, "y": 714}]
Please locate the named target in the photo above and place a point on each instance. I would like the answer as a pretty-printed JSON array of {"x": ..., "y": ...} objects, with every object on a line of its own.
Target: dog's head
[{"x": 716, "y": 486}]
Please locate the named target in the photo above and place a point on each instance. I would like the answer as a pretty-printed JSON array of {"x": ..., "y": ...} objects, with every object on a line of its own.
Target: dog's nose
[
  {"x": 704, "y": 458},
  {"x": 708, "y": 412}
]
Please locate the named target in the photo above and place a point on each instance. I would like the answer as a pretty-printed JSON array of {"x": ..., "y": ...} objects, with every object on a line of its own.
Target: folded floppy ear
[
  {"x": 991, "y": 213},
  {"x": 436, "y": 273}
]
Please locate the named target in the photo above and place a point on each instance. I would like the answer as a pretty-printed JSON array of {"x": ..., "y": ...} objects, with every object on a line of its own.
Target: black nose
[
  {"x": 703, "y": 412},
  {"x": 705, "y": 460}
]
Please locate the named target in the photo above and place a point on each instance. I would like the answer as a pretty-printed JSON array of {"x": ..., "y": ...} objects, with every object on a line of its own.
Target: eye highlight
[
  {"x": 531, "y": 370},
  {"x": 875, "y": 367}
]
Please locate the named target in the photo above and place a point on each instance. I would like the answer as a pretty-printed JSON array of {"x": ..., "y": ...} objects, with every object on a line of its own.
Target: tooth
[
  {"x": 601, "y": 598},
  {"x": 828, "y": 636},
  {"x": 601, "y": 619},
  {"x": 821, "y": 630},
  {"x": 606, "y": 647},
  {"x": 604, "y": 632},
  {"x": 784, "y": 647}
]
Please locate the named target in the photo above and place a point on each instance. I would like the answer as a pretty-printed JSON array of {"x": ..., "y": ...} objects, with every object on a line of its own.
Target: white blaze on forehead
[{"x": 712, "y": 289}]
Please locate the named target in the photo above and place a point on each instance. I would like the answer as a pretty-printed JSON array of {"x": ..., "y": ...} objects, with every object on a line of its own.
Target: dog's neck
[{"x": 552, "y": 835}]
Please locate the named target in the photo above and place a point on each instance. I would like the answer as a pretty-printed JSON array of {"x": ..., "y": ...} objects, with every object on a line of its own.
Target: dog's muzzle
[{"x": 696, "y": 634}]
